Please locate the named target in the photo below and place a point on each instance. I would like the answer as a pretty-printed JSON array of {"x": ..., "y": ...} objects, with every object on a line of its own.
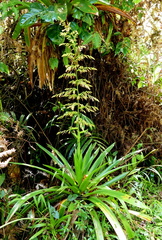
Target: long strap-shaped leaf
[
  {"x": 25, "y": 198},
  {"x": 105, "y": 191},
  {"x": 110, "y": 216},
  {"x": 97, "y": 225},
  {"x": 101, "y": 158},
  {"x": 59, "y": 159}
]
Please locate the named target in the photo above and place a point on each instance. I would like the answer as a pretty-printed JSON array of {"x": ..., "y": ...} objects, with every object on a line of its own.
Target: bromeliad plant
[{"x": 87, "y": 185}]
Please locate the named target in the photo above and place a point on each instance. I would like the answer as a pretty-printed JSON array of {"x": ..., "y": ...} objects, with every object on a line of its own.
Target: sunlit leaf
[
  {"x": 85, "y": 6},
  {"x": 96, "y": 40},
  {"x": 28, "y": 19},
  {"x": 137, "y": 1},
  {"x": 5, "y": 117},
  {"x": 97, "y": 225},
  {"x": 141, "y": 215},
  {"x": 53, "y": 63},
  {"x": 4, "y": 68},
  {"x": 17, "y": 31},
  {"x": 123, "y": 196},
  {"x": 110, "y": 216},
  {"x": 38, "y": 234}
]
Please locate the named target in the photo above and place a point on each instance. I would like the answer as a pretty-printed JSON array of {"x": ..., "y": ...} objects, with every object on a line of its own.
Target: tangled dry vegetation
[{"x": 127, "y": 115}]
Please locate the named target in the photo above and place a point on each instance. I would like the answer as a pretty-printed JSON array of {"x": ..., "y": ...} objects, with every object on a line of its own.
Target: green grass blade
[
  {"x": 100, "y": 159},
  {"x": 25, "y": 198},
  {"x": 54, "y": 157},
  {"x": 123, "y": 215},
  {"x": 97, "y": 225},
  {"x": 85, "y": 144},
  {"x": 61, "y": 161},
  {"x": 110, "y": 216},
  {"x": 63, "y": 174},
  {"x": 116, "y": 179},
  {"x": 38, "y": 233},
  {"x": 87, "y": 179},
  {"x": 126, "y": 225},
  {"x": 88, "y": 161},
  {"x": 88, "y": 155},
  {"x": 102, "y": 175},
  {"x": 33, "y": 166}
]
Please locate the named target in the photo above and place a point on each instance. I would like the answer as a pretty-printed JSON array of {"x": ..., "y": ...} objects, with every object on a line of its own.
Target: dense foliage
[{"x": 99, "y": 177}]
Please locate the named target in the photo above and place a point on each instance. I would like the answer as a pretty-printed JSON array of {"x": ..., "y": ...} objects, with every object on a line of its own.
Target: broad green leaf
[
  {"x": 17, "y": 31},
  {"x": 49, "y": 15},
  {"x": 85, "y": 6},
  {"x": 31, "y": 17},
  {"x": 2, "y": 192},
  {"x": 72, "y": 206},
  {"x": 87, "y": 39},
  {"x": 77, "y": 14},
  {"x": 97, "y": 225},
  {"x": 4, "y": 68},
  {"x": 36, "y": 7},
  {"x": 54, "y": 12},
  {"x": 72, "y": 197},
  {"x": 96, "y": 40},
  {"x": 28, "y": 19},
  {"x": 110, "y": 216},
  {"x": 53, "y": 32},
  {"x": 53, "y": 62},
  {"x": 87, "y": 18},
  {"x": 75, "y": 27},
  {"x": 140, "y": 84},
  {"x": 5, "y": 117},
  {"x": 61, "y": 10}
]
